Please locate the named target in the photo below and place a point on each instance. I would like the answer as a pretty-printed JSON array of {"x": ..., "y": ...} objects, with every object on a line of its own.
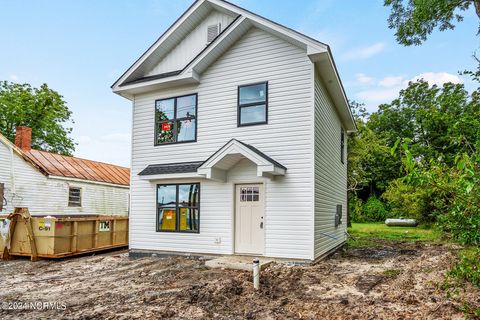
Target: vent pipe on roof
[{"x": 23, "y": 138}]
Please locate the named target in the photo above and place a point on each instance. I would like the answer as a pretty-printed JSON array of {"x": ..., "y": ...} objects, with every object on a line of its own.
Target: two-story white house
[{"x": 239, "y": 139}]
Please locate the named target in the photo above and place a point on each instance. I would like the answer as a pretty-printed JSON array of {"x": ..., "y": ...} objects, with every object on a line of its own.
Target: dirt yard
[{"x": 396, "y": 281}]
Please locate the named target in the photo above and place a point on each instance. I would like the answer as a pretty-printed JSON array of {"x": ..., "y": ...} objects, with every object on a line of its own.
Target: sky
[{"x": 80, "y": 47}]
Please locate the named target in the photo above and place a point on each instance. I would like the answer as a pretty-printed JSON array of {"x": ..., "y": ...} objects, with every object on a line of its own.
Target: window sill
[
  {"x": 252, "y": 124},
  {"x": 178, "y": 232},
  {"x": 171, "y": 143}
]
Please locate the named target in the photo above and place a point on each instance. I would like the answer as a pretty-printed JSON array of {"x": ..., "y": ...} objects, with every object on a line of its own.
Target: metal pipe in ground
[{"x": 256, "y": 274}]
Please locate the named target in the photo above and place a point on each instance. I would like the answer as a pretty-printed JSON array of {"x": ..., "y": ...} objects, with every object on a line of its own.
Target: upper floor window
[
  {"x": 176, "y": 120},
  {"x": 253, "y": 104}
]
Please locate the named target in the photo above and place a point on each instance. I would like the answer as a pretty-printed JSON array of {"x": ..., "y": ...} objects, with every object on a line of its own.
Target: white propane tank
[{"x": 401, "y": 222}]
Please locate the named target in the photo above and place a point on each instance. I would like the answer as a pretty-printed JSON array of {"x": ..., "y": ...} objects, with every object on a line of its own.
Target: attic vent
[{"x": 213, "y": 32}]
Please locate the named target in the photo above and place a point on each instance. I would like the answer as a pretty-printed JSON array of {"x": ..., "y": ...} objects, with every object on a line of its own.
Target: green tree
[
  {"x": 41, "y": 109},
  {"x": 414, "y": 20},
  {"x": 442, "y": 157},
  {"x": 440, "y": 122},
  {"x": 370, "y": 163},
  {"x": 371, "y": 166}
]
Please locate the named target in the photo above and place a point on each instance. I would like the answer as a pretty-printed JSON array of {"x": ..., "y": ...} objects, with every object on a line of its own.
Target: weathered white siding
[
  {"x": 42, "y": 195},
  {"x": 192, "y": 45},
  {"x": 330, "y": 173},
  {"x": 257, "y": 56}
]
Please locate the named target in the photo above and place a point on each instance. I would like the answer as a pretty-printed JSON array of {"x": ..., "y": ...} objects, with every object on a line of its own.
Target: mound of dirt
[{"x": 395, "y": 281}]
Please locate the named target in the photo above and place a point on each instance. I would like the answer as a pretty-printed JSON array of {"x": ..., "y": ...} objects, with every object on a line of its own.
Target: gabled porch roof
[{"x": 217, "y": 165}]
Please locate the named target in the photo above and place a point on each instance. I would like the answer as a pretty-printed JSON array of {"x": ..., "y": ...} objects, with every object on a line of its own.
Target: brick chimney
[{"x": 23, "y": 138}]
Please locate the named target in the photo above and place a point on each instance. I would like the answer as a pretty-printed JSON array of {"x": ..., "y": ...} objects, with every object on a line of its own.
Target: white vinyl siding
[
  {"x": 256, "y": 57},
  {"x": 191, "y": 45},
  {"x": 330, "y": 174},
  {"x": 49, "y": 196}
]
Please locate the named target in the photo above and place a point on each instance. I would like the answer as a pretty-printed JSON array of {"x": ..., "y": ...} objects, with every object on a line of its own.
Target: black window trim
[
  {"x": 342, "y": 145},
  {"x": 174, "y": 120},
  {"x": 177, "y": 216},
  {"x": 239, "y": 106}
]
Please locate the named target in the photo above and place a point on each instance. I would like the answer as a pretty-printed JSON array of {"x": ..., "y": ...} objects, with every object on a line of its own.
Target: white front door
[{"x": 249, "y": 219}]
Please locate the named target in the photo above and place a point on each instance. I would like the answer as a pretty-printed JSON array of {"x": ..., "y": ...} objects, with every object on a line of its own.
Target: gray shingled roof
[
  {"x": 170, "y": 168},
  {"x": 186, "y": 167},
  {"x": 263, "y": 155}
]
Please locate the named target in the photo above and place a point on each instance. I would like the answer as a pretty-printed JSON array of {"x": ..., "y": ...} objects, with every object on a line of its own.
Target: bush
[
  {"x": 461, "y": 225},
  {"x": 407, "y": 201},
  {"x": 374, "y": 210},
  {"x": 355, "y": 205},
  {"x": 468, "y": 268}
]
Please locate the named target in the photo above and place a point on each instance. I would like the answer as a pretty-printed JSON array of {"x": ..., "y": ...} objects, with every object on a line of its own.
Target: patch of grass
[
  {"x": 369, "y": 231},
  {"x": 392, "y": 273},
  {"x": 363, "y": 243},
  {"x": 470, "y": 311},
  {"x": 468, "y": 267}
]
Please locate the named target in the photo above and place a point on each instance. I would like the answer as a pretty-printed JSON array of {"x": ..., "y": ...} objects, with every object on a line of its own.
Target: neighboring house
[
  {"x": 51, "y": 184},
  {"x": 239, "y": 139}
]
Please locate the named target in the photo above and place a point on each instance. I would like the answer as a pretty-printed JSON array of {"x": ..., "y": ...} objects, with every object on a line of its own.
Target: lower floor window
[{"x": 178, "y": 207}]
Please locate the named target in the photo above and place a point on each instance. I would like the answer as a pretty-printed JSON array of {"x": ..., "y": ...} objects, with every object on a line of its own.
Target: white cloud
[
  {"x": 438, "y": 78},
  {"x": 388, "y": 88},
  {"x": 362, "y": 78},
  {"x": 14, "y": 77},
  {"x": 365, "y": 52},
  {"x": 391, "y": 81}
]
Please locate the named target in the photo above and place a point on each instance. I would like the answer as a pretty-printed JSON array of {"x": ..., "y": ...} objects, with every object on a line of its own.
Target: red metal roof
[{"x": 71, "y": 167}]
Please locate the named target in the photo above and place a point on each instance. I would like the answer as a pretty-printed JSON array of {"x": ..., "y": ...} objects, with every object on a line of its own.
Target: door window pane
[
  {"x": 186, "y": 130},
  {"x": 188, "y": 219},
  {"x": 253, "y": 114},
  {"x": 186, "y": 106},
  {"x": 188, "y": 195},
  {"x": 253, "y": 94},
  {"x": 167, "y": 196},
  {"x": 165, "y": 109},
  {"x": 249, "y": 194}
]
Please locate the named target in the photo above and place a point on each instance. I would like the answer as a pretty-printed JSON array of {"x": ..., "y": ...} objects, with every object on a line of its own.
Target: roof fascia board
[
  {"x": 234, "y": 147},
  {"x": 188, "y": 77},
  {"x": 157, "y": 43},
  {"x": 188, "y": 73},
  {"x": 326, "y": 58},
  {"x": 231, "y": 28},
  {"x": 89, "y": 182},
  {"x": 171, "y": 176},
  {"x": 271, "y": 24},
  {"x": 245, "y": 16},
  {"x": 20, "y": 153}
]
